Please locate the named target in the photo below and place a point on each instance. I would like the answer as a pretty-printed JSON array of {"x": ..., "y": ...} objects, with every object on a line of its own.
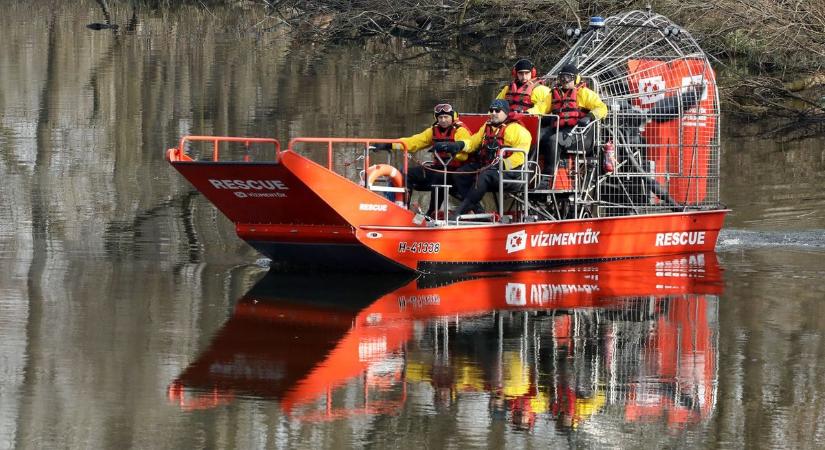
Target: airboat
[{"x": 649, "y": 186}]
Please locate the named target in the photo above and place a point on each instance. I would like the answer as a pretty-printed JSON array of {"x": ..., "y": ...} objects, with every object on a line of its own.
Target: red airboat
[{"x": 661, "y": 197}]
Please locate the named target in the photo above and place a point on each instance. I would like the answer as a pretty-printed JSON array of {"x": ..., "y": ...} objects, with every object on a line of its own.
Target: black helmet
[
  {"x": 523, "y": 64},
  {"x": 569, "y": 69}
]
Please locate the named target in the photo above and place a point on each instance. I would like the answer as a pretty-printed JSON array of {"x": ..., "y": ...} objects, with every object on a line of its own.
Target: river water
[{"x": 131, "y": 315}]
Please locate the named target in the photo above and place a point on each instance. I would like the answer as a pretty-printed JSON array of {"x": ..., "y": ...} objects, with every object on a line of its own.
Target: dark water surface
[{"x": 131, "y": 315}]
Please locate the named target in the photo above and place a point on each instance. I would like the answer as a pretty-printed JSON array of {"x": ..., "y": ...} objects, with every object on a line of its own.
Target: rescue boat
[{"x": 649, "y": 186}]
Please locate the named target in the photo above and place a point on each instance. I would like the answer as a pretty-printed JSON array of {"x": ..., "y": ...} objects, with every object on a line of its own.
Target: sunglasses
[
  {"x": 495, "y": 110},
  {"x": 443, "y": 108}
]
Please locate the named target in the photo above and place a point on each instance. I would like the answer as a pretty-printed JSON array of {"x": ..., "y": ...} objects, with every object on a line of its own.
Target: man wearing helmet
[
  {"x": 447, "y": 128},
  {"x": 526, "y": 94},
  {"x": 577, "y": 106}
]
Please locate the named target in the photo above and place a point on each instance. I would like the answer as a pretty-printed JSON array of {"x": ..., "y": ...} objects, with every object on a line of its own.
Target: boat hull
[
  {"x": 303, "y": 215},
  {"x": 542, "y": 244}
]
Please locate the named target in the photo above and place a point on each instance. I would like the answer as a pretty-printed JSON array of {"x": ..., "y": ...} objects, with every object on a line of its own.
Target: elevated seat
[
  {"x": 514, "y": 192},
  {"x": 475, "y": 121}
]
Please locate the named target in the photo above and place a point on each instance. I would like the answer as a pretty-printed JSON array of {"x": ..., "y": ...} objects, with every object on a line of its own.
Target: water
[{"x": 130, "y": 314}]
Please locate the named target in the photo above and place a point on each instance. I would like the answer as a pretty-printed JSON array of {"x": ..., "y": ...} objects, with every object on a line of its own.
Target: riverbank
[{"x": 769, "y": 57}]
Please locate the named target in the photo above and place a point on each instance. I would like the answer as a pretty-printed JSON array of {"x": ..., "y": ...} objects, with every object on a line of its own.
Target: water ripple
[{"x": 733, "y": 239}]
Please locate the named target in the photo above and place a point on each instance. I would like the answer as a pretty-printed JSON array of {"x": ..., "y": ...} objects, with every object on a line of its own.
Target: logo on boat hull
[
  {"x": 516, "y": 241},
  {"x": 586, "y": 237}
]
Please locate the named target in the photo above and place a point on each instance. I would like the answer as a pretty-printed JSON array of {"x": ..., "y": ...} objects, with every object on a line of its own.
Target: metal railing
[
  {"x": 523, "y": 180},
  {"x": 368, "y": 142},
  {"x": 333, "y": 140},
  {"x": 217, "y": 140}
]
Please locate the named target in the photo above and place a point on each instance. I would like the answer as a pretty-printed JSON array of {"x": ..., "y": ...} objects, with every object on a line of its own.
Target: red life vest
[
  {"x": 448, "y": 135},
  {"x": 566, "y": 106},
  {"x": 519, "y": 97},
  {"x": 493, "y": 140}
]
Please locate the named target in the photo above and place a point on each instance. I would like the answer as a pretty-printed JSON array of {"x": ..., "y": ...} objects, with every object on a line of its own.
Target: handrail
[
  {"x": 367, "y": 144},
  {"x": 333, "y": 140},
  {"x": 523, "y": 179},
  {"x": 216, "y": 140}
]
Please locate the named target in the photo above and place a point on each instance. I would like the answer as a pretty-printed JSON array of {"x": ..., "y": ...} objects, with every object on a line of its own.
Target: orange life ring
[{"x": 385, "y": 170}]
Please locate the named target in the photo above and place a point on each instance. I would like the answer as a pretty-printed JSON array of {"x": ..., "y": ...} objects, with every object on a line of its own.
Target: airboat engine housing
[{"x": 663, "y": 119}]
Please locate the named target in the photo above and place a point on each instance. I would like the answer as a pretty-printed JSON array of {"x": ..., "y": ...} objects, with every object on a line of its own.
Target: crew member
[
  {"x": 500, "y": 131},
  {"x": 447, "y": 128},
  {"x": 576, "y": 105},
  {"x": 526, "y": 94}
]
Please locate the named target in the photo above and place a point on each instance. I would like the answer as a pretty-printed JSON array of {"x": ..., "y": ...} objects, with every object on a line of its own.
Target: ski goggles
[{"x": 443, "y": 108}]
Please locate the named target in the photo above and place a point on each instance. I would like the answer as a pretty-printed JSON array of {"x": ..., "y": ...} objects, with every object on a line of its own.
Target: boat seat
[{"x": 474, "y": 122}]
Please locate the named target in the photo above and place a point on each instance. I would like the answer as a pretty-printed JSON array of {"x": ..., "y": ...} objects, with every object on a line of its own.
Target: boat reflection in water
[{"x": 621, "y": 341}]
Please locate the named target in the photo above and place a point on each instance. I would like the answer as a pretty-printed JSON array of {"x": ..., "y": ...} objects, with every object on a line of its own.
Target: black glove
[
  {"x": 448, "y": 147},
  {"x": 584, "y": 121},
  {"x": 379, "y": 147}
]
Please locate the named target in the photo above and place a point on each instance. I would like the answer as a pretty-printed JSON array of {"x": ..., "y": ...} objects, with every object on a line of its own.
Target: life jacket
[
  {"x": 447, "y": 135},
  {"x": 519, "y": 97},
  {"x": 566, "y": 106},
  {"x": 493, "y": 140}
]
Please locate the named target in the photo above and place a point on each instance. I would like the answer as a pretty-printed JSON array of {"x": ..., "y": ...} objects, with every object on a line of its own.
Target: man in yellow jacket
[
  {"x": 526, "y": 94},
  {"x": 483, "y": 147},
  {"x": 577, "y": 106},
  {"x": 447, "y": 128}
]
